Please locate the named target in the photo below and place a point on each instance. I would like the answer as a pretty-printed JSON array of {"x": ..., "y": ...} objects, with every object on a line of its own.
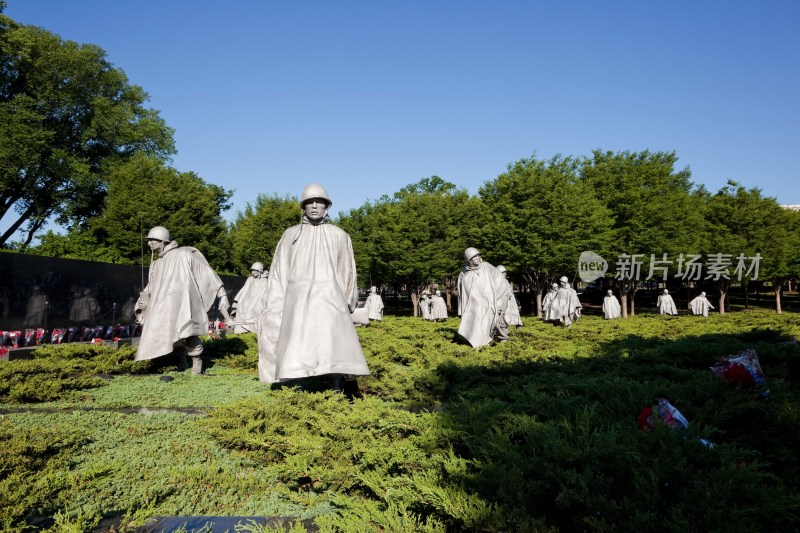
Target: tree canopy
[
  {"x": 143, "y": 193},
  {"x": 538, "y": 217},
  {"x": 67, "y": 118},
  {"x": 415, "y": 237},
  {"x": 256, "y": 231}
]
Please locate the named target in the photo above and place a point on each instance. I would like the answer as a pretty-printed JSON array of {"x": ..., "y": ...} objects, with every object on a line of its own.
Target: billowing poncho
[
  {"x": 512, "y": 311},
  {"x": 666, "y": 305},
  {"x": 700, "y": 305},
  {"x": 438, "y": 308},
  {"x": 565, "y": 306},
  {"x": 547, "y": 301},
  {"x": 374, "y": 305},
  {"x": 482, "y": 295},
  {"x": 611, "y": 307},
  {"x": 250, "y": 302},
  {"x": 425, "y": 307},
  {"x": 182, "y": 287},
  {"x": 306, "y": 329}
]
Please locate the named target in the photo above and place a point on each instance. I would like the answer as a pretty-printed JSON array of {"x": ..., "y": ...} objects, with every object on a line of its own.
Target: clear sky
[{"x": 367, "y": 97}]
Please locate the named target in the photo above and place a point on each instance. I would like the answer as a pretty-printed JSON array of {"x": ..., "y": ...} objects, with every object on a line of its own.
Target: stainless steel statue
[
  {"x": 483, "y": 295},
  {"x": 513, "y": 317},
  {"x": 565, "y": 306},
  {"x": 251, "y": 300},
  {"x": 306, "y": 329},
  {"x": 374, "y": 305},
  {"x": 700, "y": 305},
  {"x": 665, "y": 304},
  {"x": 438, "y": 307},
  {"x": 174, "y": 305},
  {"x": 611, "y": 307}
]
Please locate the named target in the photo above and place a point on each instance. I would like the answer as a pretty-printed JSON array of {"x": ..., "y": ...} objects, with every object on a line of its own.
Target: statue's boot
[{"x": 197, "y": 365}]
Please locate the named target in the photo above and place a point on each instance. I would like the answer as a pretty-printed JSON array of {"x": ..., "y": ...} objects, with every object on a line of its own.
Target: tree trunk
[
  {"x": 746, "y": 296},
  {"x": 538, "y": 296},
  {"x": 778, "y": 287},
  {"x": 15, "y": 226},
  {"x": 415, "y": 303},
  {"x": 722, "y": 294},
  {"x": 449, "y": 305},
  {"x": 633, "y": 303},
  {"x": 623, "y": 296}
]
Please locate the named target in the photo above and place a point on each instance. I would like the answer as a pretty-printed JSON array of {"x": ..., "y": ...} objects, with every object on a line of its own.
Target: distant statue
[
  {"x": 666, "y": 305},
  {"x": 547, "y": 301},
  {"x": 173, "y": 307},
  {"x": 438, "y": 307},
  {"x": 374, "y": 304},
  {"x": 307, "y": 328},
  {"x": 565, "y": 306},
  {"x": 700, "y": 305},
  {"x": 36, "y": 308},
  {"x": 483, "y": 295},
  {"x": 611, "y": 307},
  {"x": 84, "y": 308},
  {"x": 512, "y": 311},
  {"x": 251, "y": 300},
  {"x": 425, "y": 305}
]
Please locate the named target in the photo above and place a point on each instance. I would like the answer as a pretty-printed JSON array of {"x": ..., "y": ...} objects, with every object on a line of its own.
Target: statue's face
[
  {"x": 255, "y": 273},
  {"x": 609, "y": 293},
  {"x": 315, "y": 209},
  {"x": 475, "y": 261},
  {"x": 155, "y": 245}
]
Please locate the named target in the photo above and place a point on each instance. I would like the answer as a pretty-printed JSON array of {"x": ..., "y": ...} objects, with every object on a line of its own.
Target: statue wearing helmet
[
  {"x": 438, "y": 307},
  {"x": 307, "y": 329},
  {"x": 314, "y": 191},
  {"x": 547, "y": 301},
  {"x": 374, "y": 305},
  {"x": 565, "y": 307},
  {"x": 513, "y": 317},
  {"x": 700, "y": 305},
  {"x": 173, "y": 308},
  {"x": 483, "y": 295},
  {"x": 611, "y": 308},
  {"x": 251, "y": 300},
  {"x": 666, "y": 305}
]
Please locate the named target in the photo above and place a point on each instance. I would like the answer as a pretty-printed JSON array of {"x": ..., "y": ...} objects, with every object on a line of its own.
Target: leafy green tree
[
  {"x": 143, "y": 193},
  {"x": 538, "y": 217},
  {"x": 256, "y": 231},
  {"x": 654, "y": 208},
  {"x": 67, "y": 117},
  {"x": 735, "y": 217},
  {"x": 415, "y": 238}
]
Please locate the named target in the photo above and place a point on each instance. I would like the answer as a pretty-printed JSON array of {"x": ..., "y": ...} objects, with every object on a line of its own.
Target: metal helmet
[
  {"x": 159, "y": 233},
  {"x": 501, "y": 268},
  {"x": 314, "y": 190},
  {"x": 258, "y": 265},
  {"x": 666, "y": 291},
  {"x": 373, "y": 289},
  {"x": 565, "y": 279},
  {"x": 471, "y": 252}
]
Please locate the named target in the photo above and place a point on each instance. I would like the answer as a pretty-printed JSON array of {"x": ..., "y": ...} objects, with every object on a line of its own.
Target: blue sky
[{"x": 367, "y": 97}]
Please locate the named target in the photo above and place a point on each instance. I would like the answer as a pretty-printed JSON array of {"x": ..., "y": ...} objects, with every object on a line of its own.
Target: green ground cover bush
[{"x": 538, "y": 433}]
